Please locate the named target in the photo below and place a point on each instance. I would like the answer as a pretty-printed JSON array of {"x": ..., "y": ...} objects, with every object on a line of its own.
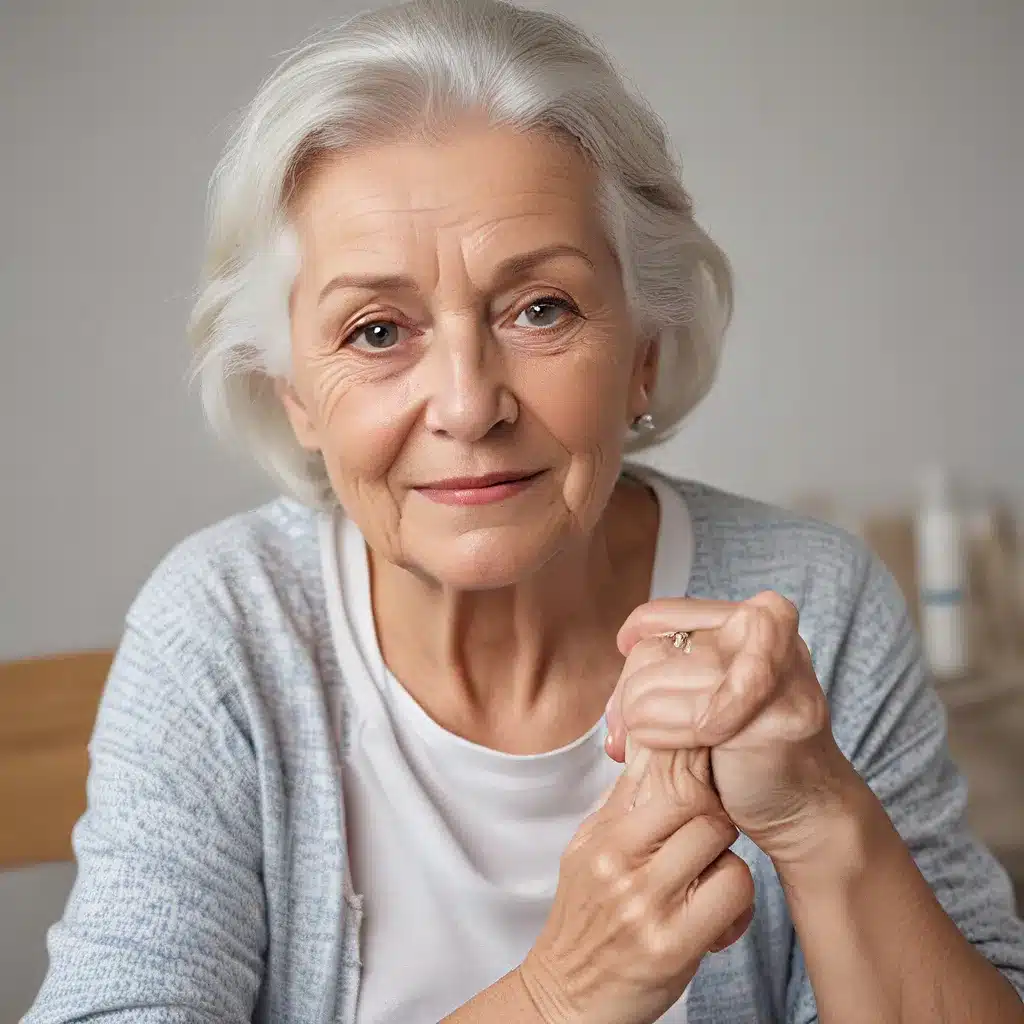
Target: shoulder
[
  {"x": 738, "y": 542},
  {"x": 842, "y": 590},
  {"x": 243, "y": 582}
]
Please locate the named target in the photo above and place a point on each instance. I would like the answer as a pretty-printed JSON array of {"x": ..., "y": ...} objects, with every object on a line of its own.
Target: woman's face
[{"x": 459, "y": 314}]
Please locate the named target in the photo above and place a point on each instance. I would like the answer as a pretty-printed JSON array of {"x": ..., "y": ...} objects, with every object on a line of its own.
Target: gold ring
[{"x": 680, "y": 639}]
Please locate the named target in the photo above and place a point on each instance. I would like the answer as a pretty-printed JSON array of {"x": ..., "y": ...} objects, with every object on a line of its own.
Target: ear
[
  {"x": 644, "y": 375},
  {"x": 300, "y": 420}
]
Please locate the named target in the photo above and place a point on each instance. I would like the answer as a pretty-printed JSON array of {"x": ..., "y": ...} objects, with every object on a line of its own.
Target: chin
[{"x": 485, "y": 559}]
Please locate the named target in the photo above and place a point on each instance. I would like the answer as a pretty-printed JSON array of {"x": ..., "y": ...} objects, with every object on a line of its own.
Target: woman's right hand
[{"x": 646, "y": 887}]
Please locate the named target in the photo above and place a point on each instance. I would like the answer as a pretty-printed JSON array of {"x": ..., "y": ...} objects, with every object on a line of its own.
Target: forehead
[{"x": 482, "y": 188}]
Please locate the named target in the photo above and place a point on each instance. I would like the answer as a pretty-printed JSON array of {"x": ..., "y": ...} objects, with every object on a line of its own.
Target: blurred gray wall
[{"x": 861, "y": 162}]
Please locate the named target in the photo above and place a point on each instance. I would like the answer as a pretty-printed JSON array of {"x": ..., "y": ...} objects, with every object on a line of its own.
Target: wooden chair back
[{"x": 47, "y": 711}]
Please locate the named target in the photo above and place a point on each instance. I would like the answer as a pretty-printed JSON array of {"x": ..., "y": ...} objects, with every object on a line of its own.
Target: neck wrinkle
[{"x": 501, "y": 648}]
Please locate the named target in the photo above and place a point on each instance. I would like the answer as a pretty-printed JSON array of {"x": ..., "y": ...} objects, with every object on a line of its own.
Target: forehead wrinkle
[
  {"x": 373, "y": 248},
  {"x": 486, "y": 236},
  {"x": 418, "y": 238},
  {"x": 455, "y": 211}
]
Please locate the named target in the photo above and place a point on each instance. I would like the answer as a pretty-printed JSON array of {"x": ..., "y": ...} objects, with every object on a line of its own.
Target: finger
[
  {"x": 688, "y": 852},
  {"x": 663, "y": 704},
  {"x": 654, "y": 664},
  {"x": 717, "y": 900},
  {"x": 784, "y": 614},
  {"x": 767, "y": 622},
  {"x": 649, "y": 825},
  {"x": 734, "y": 932},
  {"x": 671, "y": 613},
  {"x": 761, "y": 636},
  {"x": 615, "y": 743},
  {"x": 749, "y": 686},
  {"x": 620, "y": 798}
]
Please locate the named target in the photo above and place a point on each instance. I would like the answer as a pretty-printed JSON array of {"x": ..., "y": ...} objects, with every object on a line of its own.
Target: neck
[{"x": 498, "y": 652}]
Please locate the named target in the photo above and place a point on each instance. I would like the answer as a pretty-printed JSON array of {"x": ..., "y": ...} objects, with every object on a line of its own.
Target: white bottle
[{"x": 942, "y": 577}]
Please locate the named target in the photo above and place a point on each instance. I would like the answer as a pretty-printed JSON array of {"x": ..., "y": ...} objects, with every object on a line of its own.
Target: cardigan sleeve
[
  {"x": 891, "y": 723},
  {"x": 166, "y": 918}
]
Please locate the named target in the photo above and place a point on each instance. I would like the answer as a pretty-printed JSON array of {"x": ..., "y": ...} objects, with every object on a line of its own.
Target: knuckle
[
  {"x": 634, "y": 912},
  {"x": 606, "y": 868},
  {"x": 810, "y": 711},
  {"x": 778, "y": 617},
  {"x": 757, "y": 628},
  {"x": 660, "y": 945},
  {"x": 785, "y": 610}
]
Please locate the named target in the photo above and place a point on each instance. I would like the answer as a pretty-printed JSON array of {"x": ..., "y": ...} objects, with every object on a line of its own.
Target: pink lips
[{"x": 480, "y": 490}]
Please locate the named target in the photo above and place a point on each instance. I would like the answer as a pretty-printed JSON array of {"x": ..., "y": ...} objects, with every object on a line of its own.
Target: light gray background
[{"x": 860, "y": 160}]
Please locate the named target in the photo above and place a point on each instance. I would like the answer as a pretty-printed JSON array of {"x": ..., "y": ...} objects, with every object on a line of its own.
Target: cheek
[
  {"x": 580, "y": 397},
  {"x": 363, "y": 421},
  {"x": 581, "y": 401}
]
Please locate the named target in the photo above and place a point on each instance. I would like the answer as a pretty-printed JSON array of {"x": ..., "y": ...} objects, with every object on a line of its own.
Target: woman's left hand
[{"x": 747, "y": 690}]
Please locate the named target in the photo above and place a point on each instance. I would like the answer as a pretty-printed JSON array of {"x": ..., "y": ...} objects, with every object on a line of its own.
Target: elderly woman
[{"x": 353, "y": 761}]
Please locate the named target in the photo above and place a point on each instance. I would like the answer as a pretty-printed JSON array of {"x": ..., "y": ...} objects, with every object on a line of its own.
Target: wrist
[
  {"x": 846, "y": 833},
  {"x": 513, "y": 999},
  {"x": 540, "y": 988}
]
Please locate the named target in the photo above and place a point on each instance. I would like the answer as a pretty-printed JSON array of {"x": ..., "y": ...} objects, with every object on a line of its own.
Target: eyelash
[{"x": 541, "y": 300}]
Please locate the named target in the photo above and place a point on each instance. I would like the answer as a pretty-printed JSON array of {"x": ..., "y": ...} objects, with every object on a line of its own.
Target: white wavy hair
[{"x": 415, "y": 68}]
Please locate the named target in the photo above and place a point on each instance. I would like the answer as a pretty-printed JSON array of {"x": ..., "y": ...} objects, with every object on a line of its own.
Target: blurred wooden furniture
[
  {"x": 47, "y": 711},
  {"x": 986, "y": 738},
  {"x": 891, "y": 537}
]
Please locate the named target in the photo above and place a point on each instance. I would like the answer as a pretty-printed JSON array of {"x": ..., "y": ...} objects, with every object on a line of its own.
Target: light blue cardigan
[{"x": 211, "y": 860}]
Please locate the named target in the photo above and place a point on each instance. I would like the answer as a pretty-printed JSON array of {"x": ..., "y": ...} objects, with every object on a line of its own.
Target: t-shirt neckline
[{"x": 347, "y": 582}]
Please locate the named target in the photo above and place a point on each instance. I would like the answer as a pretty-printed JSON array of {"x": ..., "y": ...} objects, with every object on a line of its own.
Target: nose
[{"x": 469, "y": 396}]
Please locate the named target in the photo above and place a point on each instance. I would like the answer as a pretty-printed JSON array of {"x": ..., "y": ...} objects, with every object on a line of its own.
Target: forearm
[
  {"x": 507, "y": 1000},
  {"x": 878, "y": 946}
]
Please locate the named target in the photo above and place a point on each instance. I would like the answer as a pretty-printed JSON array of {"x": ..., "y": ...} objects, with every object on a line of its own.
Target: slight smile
[{"x": 480, "y": 490}]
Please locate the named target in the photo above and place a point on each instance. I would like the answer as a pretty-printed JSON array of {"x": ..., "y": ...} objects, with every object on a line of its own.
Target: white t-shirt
[{"x": 454, "y": 848}]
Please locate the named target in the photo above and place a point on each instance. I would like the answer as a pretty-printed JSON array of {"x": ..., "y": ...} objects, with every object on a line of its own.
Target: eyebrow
[{"x": 509, "y": 268}]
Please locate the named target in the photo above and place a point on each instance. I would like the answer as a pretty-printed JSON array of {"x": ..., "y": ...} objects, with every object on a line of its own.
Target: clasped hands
[
  {"x": 747, "y": 695},
  {"x": 731, "y": 735}
]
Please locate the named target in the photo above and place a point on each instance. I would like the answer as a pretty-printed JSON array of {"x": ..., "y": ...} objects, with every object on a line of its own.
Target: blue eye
[
  {"x": 543, "y": 313},
  {"x": 376, "y": 336}
]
